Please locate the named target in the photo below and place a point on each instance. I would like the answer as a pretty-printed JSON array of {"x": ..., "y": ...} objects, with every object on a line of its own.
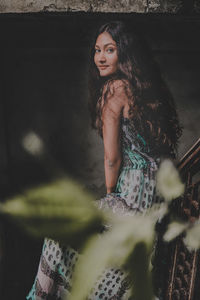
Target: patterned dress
[{"x": 134, "y": 193}]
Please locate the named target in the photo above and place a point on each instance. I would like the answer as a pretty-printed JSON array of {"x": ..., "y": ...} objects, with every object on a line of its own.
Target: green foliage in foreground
[
  {"x": 61, "y": 210},
  {"x": 128, "y": 243},
  {"x": 64, "y": 211}
]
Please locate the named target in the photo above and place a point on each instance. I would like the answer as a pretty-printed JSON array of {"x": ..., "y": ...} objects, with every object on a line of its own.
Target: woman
[{"x": 135, "y": 115}]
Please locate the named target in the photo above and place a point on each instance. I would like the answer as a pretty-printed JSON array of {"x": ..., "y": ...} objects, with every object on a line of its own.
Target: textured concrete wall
[{"x": 120, "y": 6}]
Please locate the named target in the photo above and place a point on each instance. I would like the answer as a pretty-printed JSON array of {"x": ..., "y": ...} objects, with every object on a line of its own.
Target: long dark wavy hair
[{"x": 152, "y": 107}]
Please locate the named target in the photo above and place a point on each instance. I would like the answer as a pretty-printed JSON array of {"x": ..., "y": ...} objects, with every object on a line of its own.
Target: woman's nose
[{"x": 102, "y": 57}]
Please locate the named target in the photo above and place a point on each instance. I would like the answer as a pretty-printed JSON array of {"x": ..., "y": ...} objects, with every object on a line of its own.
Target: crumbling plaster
[{"x": 119, "y": 6}]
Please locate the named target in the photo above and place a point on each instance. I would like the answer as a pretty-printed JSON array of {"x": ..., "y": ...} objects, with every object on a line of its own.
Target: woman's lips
[{"x": 103, "y": 67}]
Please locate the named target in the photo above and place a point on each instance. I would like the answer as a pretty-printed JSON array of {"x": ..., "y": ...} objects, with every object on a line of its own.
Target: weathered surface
[
  {"x": 120, "y": 6},
  {"x": 165, "y": 6},
  {"x": 154, "y": 5},
  {"x": 73, "y": 5}
]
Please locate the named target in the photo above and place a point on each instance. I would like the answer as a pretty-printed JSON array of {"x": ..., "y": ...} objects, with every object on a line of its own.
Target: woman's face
[{"x": 105, "y": 57}]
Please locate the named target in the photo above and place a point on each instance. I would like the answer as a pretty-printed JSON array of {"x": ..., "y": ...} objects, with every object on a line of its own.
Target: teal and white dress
[{"x": 134, "y": 193}]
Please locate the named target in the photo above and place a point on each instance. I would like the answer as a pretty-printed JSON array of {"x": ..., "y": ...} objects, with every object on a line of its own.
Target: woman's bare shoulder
[
  {"x": 116, "y": 85},
  {"x": 117, "y": 90}
]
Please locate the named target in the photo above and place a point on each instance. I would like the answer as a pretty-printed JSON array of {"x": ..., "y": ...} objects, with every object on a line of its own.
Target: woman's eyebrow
[
  {"x": 110, "y": 44},
  {"x": 106, "y": 45}
]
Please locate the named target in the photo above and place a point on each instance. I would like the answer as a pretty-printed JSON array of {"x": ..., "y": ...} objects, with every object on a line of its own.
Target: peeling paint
[
  {"x": 72, "y": 5},
  {"x": 53, "y": 7},
  {"x": 118, "y": 6},
  {"x": 154, "y": 5}
]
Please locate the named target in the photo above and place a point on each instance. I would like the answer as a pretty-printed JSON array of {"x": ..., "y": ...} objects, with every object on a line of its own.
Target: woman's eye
[
  {"x": 97, "y": 50},
  {"x": 110, "y": 50}
]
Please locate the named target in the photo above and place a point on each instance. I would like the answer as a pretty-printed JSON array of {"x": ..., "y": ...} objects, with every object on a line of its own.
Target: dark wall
[{"x": 44, "y": 61}]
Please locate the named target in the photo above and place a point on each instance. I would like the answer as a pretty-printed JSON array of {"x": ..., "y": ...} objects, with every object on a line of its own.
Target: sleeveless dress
[{"x": 134, "y": 193}]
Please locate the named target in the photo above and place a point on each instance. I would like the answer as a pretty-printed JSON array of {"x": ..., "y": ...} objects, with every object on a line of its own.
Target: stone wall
[{"x": 120, "y": 6}]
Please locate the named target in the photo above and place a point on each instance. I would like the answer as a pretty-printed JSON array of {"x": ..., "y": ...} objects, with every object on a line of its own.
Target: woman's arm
[{"x": 111, "y": 113}]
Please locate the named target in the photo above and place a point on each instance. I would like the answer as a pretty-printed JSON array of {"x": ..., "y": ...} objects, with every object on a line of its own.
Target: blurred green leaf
[
  {"x": 174, "y": 230},
  {"x": 62, "y": 210},
  {"x": 169, "y": 184},
  {"x": 138, "y": 263},
  {"x": 115, "y": 248}
]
